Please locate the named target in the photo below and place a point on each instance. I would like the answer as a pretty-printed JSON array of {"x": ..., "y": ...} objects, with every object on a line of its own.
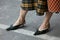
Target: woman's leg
[
  {"x": 21, "y": 17},
  {"x": 46, "y": 21},
  {"x": 20, "y": 21},
  {"x": 44, "y": 28}
]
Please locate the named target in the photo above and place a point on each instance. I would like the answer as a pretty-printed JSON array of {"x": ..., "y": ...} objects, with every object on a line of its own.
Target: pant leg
[
  {"x": 41, "y": 7},
  {"x": 27, "y": 5}
]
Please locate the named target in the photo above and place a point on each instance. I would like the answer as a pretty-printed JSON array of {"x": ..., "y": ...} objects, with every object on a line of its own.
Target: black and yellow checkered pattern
[{"x": 39, "y": 5}]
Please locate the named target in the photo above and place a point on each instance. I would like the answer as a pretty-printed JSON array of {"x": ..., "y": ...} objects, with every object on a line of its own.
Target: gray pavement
[
  {"x": 15, "y": 36},
  {"x": 9, "y": 12}
]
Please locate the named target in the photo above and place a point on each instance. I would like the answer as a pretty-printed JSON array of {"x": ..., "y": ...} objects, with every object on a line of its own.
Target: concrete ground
[{"x": 9, "y": 12}]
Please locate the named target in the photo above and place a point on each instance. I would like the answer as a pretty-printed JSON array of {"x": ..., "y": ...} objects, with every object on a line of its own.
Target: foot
[
  {"x": 15, "y": 27},
  {"x": 42, "y": 30},
  {"x": 19, "y": 24}
]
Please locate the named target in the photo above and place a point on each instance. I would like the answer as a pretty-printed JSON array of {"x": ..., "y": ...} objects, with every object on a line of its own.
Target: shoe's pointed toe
[
  {"x": 10, "y": 28},
  {"x": 36, "y": 33}
]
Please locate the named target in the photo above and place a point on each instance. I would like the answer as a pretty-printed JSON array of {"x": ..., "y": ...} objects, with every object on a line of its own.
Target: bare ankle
[{"x": 44, "y": 25}]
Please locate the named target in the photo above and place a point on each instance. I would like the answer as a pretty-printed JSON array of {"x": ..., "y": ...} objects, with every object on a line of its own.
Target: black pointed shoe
[
  {"x": 15, "y": 27},
  {"x": 43, "y": 31}
]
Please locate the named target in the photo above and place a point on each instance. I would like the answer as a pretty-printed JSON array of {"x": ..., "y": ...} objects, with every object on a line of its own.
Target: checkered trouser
[{"x": 39, "y": 5}]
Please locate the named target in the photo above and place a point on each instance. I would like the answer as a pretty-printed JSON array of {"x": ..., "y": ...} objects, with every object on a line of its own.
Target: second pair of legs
[{"x": 44, "y": 28}]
